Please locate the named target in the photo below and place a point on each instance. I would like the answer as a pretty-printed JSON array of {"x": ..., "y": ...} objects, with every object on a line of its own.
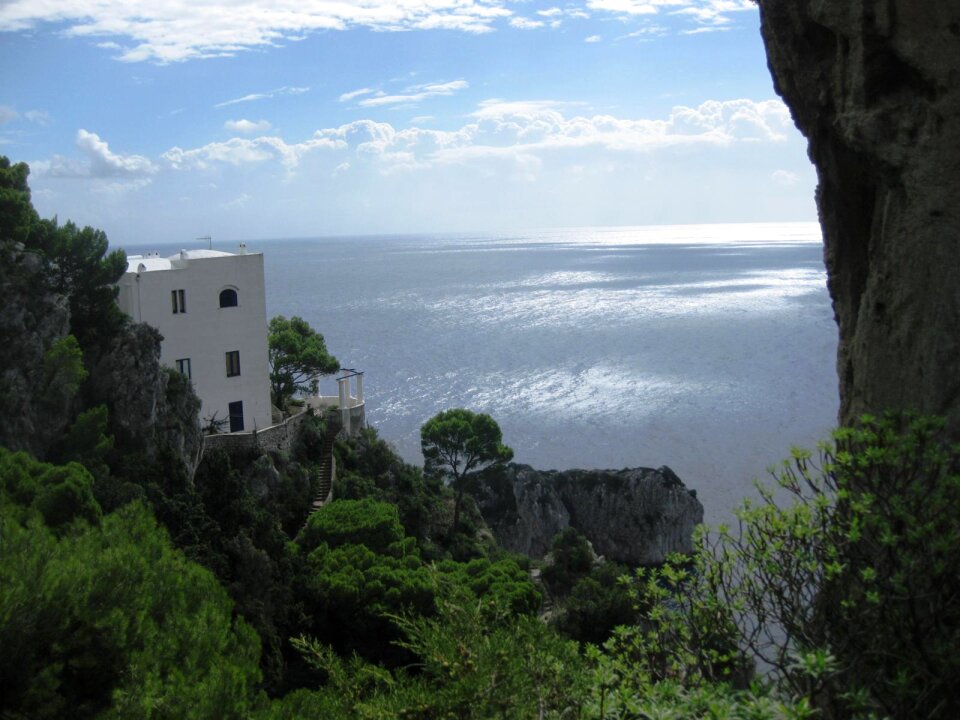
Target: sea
[{"x": 707, "y": 348}]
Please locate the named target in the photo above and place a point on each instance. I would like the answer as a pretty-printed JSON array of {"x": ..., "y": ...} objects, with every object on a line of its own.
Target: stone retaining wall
[{"x": 277, "y": 437}]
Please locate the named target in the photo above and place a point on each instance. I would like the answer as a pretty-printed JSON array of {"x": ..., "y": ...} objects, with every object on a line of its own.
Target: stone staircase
[{"x": 328, "y": 468}]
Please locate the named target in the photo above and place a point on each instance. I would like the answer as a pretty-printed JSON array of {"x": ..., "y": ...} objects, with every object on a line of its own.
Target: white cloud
[
  {"x": 99, "y": 162},
  {"x": 593, "y": 39},
  {"x": 247, "y": 127},
  {"x": 705, "y": 29},
  {"x": 7, "y": 114},
  {"x": 348, "y": 96},
  {"x": 701, "y": 12},
  {"x": 241, "y": 151},
  {"x": 414, "y": 94},
  {"x": 550, "y": 12},
  {"x": 39, "y": 117},
  {"x": 785, "y": 178},
  {"x": 715, "y": 12},
  {"x": 166, "y": 31},
  {"x": 523, "y": 23},
  {"x": 264, "y": 96},
  {"x": 522, "y": 133},
  {"x": 238, "y": 202}
]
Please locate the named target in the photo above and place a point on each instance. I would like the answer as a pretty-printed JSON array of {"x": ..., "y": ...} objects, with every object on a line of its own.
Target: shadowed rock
[
  {"x": 635, "y": 516},
  {"x": 874, "y": 85}
]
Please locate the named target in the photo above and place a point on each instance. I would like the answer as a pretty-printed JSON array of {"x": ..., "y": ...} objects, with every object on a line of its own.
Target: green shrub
[
  {"x": 353, "y": 522},
  {"x": 842, "y": 582}
]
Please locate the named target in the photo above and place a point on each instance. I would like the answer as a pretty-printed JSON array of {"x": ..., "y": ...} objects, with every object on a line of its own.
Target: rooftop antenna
[{"x": 209, "y": 241}]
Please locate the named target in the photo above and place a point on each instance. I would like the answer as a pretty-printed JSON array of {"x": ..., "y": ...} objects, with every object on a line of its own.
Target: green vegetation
[
  {"x": 132, "y": 587},
  {"x": 457, "y": 444},
  {"x": 102, "y": 615},
  {"x": 297, "y": 355}
]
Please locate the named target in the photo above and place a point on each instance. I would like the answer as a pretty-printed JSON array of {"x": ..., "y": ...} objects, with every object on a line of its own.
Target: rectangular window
[
  {"x": 178, "y": 299},
  {"x": 233, "y": 363},
  {"x": 236, "y": 416},
  {"x": 183, "y": 367}
]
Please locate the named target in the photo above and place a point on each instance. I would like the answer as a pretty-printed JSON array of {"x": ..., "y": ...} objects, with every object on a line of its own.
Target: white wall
[{"x": 205, "y": 332}]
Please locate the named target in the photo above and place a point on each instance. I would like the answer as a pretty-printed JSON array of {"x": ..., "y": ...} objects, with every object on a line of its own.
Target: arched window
[{"x": 228, "y": 298}]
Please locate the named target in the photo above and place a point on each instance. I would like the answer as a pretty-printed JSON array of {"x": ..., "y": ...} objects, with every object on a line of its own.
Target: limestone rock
[
  {"x": 636, "y": 516},
  {"x": 151, "y": 408},
  {"x": 875, "y": 87}
]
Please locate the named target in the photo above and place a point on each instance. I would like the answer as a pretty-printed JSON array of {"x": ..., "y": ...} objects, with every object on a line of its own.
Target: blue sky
[{"x": 164, "y": 120}]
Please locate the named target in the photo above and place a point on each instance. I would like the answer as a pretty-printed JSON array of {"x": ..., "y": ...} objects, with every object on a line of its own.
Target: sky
[{"x": 168, "y": 120}]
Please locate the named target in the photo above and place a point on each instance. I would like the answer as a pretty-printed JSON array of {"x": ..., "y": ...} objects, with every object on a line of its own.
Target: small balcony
[{"x": 348, "y": 400}]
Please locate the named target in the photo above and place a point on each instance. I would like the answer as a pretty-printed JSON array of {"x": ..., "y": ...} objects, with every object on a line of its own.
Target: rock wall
[
  {"x": 635, "y": 516},
  {"x": 32, "y": 320},
  {"x": 874, "y": 85},
  {"x": 152, "y": 409}
]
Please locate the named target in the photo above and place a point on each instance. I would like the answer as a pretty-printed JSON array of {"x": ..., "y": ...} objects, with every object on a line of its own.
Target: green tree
[
  {"x": 572, "y": 560},
  {"x": 17, "y": 216},
  {"x": 297, "y": 354},
  {"x": 458, "y": 443},
  {"x": 110, "y": 621}
]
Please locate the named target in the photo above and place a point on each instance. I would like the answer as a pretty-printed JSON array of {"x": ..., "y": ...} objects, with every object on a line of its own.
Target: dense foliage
[
  {"x": 457, "y": 444},
  {"x": 102, "y": 614}
]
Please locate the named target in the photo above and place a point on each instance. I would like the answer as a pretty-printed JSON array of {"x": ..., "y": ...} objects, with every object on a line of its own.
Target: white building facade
[{"x": 210, "y": 307}]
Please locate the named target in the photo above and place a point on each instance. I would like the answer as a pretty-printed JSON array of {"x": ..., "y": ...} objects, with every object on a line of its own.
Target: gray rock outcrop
[
  {"x": 874, "y": 85},
  {"x": 151, "y": 408},
  {"x": 636, "y": 516}
]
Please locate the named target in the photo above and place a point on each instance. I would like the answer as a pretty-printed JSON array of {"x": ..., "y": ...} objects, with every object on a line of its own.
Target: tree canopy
[
  {"x": 457, "y": 443},
  {"x": 298, "y": 354}
]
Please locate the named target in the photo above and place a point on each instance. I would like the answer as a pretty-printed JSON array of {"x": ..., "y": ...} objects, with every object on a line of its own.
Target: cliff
[
  {"x": 874, "y": 85},
  {"x": 635, "y": 516},
  {"x": 32, "y": 320},
  {"x": 152, "y": 412}
]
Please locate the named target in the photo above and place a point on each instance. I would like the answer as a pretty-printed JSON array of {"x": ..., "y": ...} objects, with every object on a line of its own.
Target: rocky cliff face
[
  {"x": 635, "y": 516},
  {"x": 152, "y": 410},
  {"x": 32, "y": 320},
  {"x": 875, "y": 87}
]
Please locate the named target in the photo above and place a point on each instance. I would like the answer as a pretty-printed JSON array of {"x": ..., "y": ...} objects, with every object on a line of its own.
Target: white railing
[{"x": 349, "y": 400}]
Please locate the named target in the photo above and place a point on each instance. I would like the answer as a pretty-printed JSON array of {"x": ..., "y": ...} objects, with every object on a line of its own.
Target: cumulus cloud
[
  {"x": 167, "y": 31},
  {"x": 523, "y": 133},
  {"x": 414, "y": 94},
  {"x": 247, "y": 127},
  {"x": 592, "y": 39},
  {"x": 99, "y": 161},
  {"x": 242, "y": 151}
]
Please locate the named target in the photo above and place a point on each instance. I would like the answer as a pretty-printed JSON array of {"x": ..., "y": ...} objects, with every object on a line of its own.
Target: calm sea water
[{"x": 708, "y": 348}]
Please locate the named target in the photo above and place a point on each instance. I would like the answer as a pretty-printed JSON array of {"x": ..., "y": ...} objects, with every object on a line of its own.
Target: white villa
[{"x": 211, "y": 309}]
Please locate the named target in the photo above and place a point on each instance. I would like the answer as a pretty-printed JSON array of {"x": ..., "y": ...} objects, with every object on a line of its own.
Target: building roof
[{"x": 153, "y": 262}]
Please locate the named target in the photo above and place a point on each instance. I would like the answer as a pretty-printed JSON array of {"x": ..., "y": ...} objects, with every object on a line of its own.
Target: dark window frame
[
  {"x": 231, "y": 294},
  {"x": 232, "y": 358},
  {"x": 183, "y": 367},
  {"x": 235, "y": 415},
  {"x": 178, "y": 299}
]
